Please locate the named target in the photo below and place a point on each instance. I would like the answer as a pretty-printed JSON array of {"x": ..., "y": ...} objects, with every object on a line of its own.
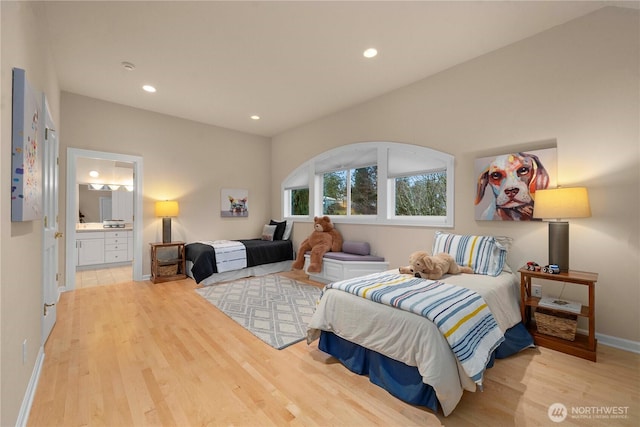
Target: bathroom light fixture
[
  {"x": 370, "y": 53},
  {"x": 149, "y": 88},
  {"x": 255, "y": 117},
  {"x": 108, "y": 187},
  {"x": 94, "y": 174}
]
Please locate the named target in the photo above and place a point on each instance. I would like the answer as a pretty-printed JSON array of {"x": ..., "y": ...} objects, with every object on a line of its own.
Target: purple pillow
[
  {"x": 342, "y": 256},
  {"x": 357, "y": 248}
]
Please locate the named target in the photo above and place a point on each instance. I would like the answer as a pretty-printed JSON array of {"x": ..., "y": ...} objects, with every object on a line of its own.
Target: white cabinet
[
  {"x": 104, "y": 247},
  {"x": 334, "y": 270},
  {"x": 90, "y": 248},
  {"x": 122, "y": 205},
  {"x": 115, "y": 246}
]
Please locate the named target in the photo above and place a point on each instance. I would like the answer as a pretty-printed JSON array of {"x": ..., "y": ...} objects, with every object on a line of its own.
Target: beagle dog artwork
[{"x": 513, "y": 180}]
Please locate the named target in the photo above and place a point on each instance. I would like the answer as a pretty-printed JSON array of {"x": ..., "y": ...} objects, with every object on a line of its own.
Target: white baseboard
[
  {"x": 621, "y": 343},
  {"x": 27, "y": 401}
]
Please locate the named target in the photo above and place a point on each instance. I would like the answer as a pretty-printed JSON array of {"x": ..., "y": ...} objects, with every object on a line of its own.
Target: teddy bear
[
  {"x": 324, "y": 238},
  {"x": 421, "y": 264}
]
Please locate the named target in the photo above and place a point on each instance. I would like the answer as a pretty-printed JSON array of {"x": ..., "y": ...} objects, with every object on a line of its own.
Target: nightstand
[
  {"x": 584, "y": 345},
  {"x": 167, "y": 262}
]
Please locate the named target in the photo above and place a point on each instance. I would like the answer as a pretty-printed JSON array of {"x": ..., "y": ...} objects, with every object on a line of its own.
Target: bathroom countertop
[{"x": 97, "y": 226}]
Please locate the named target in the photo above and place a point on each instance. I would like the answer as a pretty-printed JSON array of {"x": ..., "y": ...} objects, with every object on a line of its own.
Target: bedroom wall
[
  {"x": 23, "y": 45},
  {"x": 183, "y": 160},
  {"x": 575, "y": 86}
]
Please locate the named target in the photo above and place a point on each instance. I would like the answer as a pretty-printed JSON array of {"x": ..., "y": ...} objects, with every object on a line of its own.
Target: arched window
[{"x": 374, "y": 183}]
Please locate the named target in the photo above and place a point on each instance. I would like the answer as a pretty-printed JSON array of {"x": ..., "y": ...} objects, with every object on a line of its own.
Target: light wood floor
[{"x": 137, "y": 354}]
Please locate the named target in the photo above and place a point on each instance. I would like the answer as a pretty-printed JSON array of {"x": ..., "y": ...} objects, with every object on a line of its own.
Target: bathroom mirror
[{"x": 105, "y": 190}]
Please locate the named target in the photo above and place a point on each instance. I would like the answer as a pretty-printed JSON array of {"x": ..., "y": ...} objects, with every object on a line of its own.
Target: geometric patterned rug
[{"x": 275, "y": 309}]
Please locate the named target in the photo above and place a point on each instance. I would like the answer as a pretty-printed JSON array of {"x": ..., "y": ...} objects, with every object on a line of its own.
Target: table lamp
[
  {"x": 167, "y": 209},
  {"x": 560, "y": 204}
]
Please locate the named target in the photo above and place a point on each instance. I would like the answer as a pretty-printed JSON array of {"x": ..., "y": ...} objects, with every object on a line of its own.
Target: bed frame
[{"x": 258, "y": 270}]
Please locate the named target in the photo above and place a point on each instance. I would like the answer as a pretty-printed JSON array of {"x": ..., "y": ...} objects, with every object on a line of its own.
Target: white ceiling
[{"x": 288, "y": 62}]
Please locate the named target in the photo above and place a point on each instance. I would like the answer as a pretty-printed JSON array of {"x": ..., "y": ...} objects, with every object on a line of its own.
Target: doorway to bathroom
[{"x": 121, "y": 237}]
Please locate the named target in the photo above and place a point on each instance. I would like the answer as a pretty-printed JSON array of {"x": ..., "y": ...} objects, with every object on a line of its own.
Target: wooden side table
[
  {"x": 166, "y": 269},
  {"x": 584, "y": 345}
]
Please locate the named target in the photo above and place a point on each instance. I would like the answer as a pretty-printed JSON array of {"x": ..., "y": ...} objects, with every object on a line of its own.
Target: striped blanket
[
  {"x": 461, "y": 315},
  {"x": 230, "y": 254}
]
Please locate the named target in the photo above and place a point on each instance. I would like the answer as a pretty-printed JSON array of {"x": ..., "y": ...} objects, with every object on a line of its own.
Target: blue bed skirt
[{"x": 401, "y": 380}]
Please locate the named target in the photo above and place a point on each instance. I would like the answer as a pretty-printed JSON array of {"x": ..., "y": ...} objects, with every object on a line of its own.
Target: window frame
[{"x": 386, "y": 184}]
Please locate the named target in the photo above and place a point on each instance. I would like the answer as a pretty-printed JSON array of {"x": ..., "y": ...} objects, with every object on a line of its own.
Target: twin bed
[
  {"x": 445, "y": 333},
  {"x": 210, "y": 262},
  {"x": 440, "y": 341},
  {"x": 262, "y": 257},
  {"x": 403, "y": 352}
]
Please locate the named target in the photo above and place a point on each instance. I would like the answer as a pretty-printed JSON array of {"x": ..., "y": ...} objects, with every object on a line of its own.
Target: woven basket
[
  {"x": 168, "y": 270},
  {"x": 556, "y": 323}
]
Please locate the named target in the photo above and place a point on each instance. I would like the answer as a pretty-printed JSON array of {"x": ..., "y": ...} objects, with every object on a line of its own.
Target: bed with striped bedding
[
  {"x": 460, "y": 314},
  {"x": 447, "y": 330}
]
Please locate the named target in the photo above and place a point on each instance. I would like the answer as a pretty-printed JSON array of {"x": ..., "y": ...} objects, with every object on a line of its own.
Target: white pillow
[
  {"x": 287, "y": 230},
  {"x": 268, "y": 231},
  {"x": 484, "y": 254}
]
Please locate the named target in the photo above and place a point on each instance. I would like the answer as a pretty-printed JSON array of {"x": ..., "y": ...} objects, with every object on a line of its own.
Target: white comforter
[{"x": 412, "y": 339}]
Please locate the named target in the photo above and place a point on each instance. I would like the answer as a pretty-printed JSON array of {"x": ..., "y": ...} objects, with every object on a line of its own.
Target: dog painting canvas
[
  {"x": 234, "y": 203},
  {"x": 506, "y": 184}
]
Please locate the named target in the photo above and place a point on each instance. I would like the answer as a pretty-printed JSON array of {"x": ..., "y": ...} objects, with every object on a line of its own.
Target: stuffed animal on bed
[
  {"x": 324, "y": 238},
  {"x": 421, "y": 264}
]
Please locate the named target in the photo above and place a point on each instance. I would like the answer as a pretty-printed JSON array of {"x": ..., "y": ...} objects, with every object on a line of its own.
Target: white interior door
[{"x": 50, "y": 235}]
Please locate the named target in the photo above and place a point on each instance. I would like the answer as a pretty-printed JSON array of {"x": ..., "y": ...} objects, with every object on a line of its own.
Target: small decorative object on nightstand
[
  {"x": 167, "y": 262},
  {"x": 582, "y": 345}
]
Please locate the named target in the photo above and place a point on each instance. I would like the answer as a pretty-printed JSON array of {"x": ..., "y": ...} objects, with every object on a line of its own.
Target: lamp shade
[
  {"x": 562, "y": 203},
  {"x": 167, "y": 208}
]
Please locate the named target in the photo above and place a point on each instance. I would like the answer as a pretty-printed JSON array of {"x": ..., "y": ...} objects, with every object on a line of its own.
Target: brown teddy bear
[
  {"x": 324, "y": 238},
  {"x": 433, "y": 267}
]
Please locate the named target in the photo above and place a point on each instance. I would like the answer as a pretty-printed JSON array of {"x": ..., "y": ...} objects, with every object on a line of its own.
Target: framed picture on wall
[
  {"x": 234, "y": 203},
  {"x": 26, "y": 154},
  {"x": 506, "y": 184}
]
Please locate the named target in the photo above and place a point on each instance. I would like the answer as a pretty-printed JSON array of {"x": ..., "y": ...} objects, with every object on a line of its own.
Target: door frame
[
  {"x": 73, "y": 154},
  {"x": 50, "y": 224}
]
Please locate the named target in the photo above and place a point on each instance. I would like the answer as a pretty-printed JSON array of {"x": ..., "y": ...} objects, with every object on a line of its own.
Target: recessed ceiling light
[
  {"x": 254, "y": 117},
  {"x": 94, "y": 174},
  {"x": 370, "y": 53},
  {"x": 149, "y": 88}
]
